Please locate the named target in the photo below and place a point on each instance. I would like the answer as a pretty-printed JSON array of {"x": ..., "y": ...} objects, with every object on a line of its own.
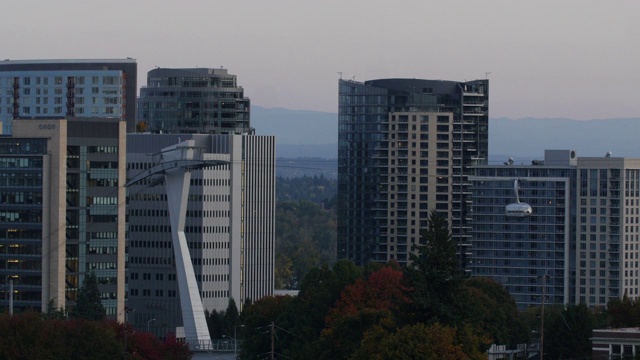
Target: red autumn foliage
[{"x": 382, "y": 290}]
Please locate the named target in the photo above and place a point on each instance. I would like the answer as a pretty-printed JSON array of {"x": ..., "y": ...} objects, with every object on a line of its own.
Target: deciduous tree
[
  {"x": 257, "y": 318},
  {"x": 362, "y": 305},
  {"x": 435, "y": 342},
  {"x": 490, "y": 309},
  {"x": 568, "y": 332}
]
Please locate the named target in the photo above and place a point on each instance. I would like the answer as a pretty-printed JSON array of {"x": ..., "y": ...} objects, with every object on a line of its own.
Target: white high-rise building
[{"x": 581, "y": 241}]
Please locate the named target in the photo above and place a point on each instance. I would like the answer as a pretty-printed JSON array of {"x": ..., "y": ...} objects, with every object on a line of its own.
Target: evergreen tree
[
  {"x": 88, "y": 304},
  {"x": 53, "y": 312},
  {"x": 231, "y": 317},
  {"x": 215, "y": 323},
  {"x": 434, "y": 275}
]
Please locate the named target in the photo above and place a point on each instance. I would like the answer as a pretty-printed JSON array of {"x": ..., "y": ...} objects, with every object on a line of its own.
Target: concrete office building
[
  {"x": 229, "y": 227},
  {"x": 43, "y": 89},
  {"x": 63, "y": 215},
  {"x": 193, "y": 101},
  {"x": 404, "y": 149},
  {"x": 581, "y": 240}
]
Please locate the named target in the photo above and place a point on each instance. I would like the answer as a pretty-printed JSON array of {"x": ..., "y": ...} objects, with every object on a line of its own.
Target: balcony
[{"x": 473, "y": 113}]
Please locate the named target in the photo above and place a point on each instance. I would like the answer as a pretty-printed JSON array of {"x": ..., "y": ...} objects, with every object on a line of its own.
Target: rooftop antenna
[
  {"x": 340, "y": 73},
  {"x": 486, "y": 74}
]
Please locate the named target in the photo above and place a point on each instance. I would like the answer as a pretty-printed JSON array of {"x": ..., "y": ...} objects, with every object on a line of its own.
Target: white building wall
[
  {"x": 258, "y": 186},
  {"x": 229, "y": 227}
]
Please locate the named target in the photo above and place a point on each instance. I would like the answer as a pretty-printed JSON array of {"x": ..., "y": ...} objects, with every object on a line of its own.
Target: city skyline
[{"x": 545, "y": 59}]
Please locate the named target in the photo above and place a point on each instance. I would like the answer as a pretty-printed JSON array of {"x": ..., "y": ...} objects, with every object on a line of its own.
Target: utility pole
[
  {"x": 544, "y": 283},
  {"x": 11, "y": 297},
  {"x": 126, "y": 310},
  {"x": 273, "y": 331}
]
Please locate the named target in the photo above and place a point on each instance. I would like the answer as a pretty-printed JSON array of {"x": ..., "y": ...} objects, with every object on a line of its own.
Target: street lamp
[
  {"x": 235, "y": 340},
  {"x": 544, "y": 283},
  {"x": 10, "y": 293},
  {"x": 148, "y": 323}
]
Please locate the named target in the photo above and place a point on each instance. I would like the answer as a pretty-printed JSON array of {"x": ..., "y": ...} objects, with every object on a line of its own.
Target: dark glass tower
[
  {"x": 193, "y": 101},
  {"x": 404, "y": 149}
]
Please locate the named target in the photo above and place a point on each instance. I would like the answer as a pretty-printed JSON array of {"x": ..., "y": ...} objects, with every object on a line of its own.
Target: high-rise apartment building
[
  {"x": 404, "y": 149},
  {"x": 63, "y": 211},
  {"x": 581, "y": 241},
  {"x": 229, "y": 227},
  {"x": 44, "y": 89},
  {"x": 193, "y": 101}
]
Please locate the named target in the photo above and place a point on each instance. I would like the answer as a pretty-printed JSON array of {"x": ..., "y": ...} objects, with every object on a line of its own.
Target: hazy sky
[{"x": 547, "y": 58}]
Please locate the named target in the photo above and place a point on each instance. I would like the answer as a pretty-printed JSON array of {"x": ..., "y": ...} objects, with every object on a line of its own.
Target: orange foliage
[{"x": 383, "y": 290}]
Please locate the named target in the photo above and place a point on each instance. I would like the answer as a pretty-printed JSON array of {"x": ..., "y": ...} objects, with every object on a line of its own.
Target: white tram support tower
[{"x": 175, "y": 163}]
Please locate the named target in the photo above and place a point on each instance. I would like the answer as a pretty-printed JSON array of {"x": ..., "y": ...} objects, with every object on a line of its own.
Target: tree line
[
  {"x": 305, "y": 227},
  {"x": 426, "y": 310},
  {"x": 81, "y": 333}
]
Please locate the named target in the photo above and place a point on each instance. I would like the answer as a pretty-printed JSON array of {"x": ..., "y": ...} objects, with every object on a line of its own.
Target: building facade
[
  {"x": 525, "y": 253},
  {"x": 193, "y": 101},
  {"x": 619, "y": 343},
  {"x": 229, "y": 228},
  {"x": 404, "y": 149},
  {"x": 581, "y": 241},
  {"x": 63, "y": 215},
  {"x": 44, "y": 89}
]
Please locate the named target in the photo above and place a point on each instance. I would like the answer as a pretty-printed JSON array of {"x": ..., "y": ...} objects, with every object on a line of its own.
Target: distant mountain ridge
[
  {"x": 531, "y": 136},
  {"x": 304, "y": 133}
]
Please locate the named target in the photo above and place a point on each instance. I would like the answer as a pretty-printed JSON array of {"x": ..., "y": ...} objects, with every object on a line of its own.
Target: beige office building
[
  {"x": 62, "y": 189},
  {"x": 419, "y": 178}
]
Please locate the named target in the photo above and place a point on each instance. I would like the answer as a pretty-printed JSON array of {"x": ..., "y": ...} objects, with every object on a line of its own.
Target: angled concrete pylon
[
  {"x": 175, "y": 163},
  {"x": 177, "y": 181}
]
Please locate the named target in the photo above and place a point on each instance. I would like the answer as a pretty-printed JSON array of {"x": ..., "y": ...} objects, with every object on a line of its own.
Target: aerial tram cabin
[{"x": 518, "y": 209}]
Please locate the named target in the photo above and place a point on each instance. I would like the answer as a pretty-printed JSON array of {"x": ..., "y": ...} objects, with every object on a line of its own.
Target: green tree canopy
[
  {"x": 366, "y": 303},
  {"x": 305, "y": 239},
  {"x": 231, "y": 317},
  {"x": 434, "y": 275},
  {"x": 623, "y": 312},
  {"x": 419, "y": 341},
  {"x": 490, "y": 308},
  {"x": 568, "y": 332},
  {"x": 257, "y": 317},
  {"x": 88, "y": 303}
]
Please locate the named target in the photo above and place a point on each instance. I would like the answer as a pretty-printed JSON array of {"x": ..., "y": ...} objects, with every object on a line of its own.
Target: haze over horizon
[{"x": 547, "y": 59}]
